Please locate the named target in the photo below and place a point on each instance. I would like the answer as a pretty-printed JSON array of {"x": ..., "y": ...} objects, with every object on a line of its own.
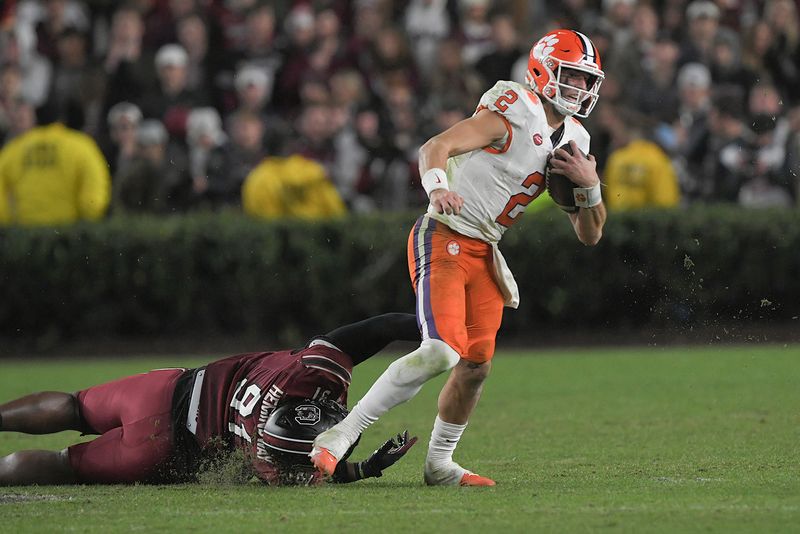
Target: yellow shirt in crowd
[
  {"x": 640, "y": 175},
  {"x": 51, "y": 175},
  {"x": 290, "y": 187}
]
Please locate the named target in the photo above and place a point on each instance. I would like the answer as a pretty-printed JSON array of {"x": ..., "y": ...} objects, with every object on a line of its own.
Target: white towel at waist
[{"x": 505, "y": 279}]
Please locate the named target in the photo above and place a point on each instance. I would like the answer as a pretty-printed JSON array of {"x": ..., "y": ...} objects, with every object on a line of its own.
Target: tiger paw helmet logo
[
  {"x": 545, "y": 46},
  {"x": 453, "y": 248},
  {"x": 580, "y": 197}
]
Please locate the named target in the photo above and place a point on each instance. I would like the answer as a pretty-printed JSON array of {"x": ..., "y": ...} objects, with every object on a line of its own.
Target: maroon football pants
[{"x": 133, "y": 417}]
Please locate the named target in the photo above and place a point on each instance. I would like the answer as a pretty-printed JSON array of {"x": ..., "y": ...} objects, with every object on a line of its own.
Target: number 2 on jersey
[
  {"x": 506, "y": 99},
  {"x": 521, "y": 199}
]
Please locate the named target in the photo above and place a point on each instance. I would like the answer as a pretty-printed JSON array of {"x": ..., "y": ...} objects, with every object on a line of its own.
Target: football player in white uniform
[{"x": 480, "y": 175}]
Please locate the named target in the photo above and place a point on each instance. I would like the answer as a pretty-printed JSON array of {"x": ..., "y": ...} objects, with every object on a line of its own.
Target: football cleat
[
  {"x": 452, "y": 474},
  {"x": 449, "y": 474},
  {"x": 471, "y": 479},
  {"x": 329, "y": 448},
  {"x": 324, "y": 461}
]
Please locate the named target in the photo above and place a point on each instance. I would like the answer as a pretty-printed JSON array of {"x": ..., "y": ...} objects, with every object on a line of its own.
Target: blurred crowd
[{"x": 188, "y": 100}]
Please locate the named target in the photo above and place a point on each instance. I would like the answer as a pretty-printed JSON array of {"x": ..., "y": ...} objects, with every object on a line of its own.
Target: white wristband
[
  {"x": 587, "y": 197},
  {"x": 434, "y": 179}
]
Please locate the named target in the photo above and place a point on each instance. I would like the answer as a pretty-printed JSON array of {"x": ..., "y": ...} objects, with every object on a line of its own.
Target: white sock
[
  {"x": 444, "y": 439},
  {"x": 399, "y": 383}
]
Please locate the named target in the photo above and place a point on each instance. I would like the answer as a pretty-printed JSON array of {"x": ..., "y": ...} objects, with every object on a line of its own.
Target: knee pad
[
  {"x": 432, "y": 358},
  {"x": 444, "y": 356}
]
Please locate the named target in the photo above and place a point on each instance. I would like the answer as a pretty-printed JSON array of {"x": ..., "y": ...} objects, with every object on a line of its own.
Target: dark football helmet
[{"x": 289, "y": 433}]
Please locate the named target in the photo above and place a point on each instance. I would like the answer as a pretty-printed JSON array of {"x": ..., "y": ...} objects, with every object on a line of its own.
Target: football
[{"x": 559, "y": 186}]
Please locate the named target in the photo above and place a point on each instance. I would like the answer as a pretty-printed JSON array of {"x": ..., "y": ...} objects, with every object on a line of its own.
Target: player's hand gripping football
[
  {"x": 387, "y": 454},
  {"x": 581, "y": 170},
  {"x": 445, "y": 201}
]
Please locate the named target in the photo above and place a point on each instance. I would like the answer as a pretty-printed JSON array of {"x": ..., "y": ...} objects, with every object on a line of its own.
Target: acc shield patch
[{"x": 307, "y": 414}]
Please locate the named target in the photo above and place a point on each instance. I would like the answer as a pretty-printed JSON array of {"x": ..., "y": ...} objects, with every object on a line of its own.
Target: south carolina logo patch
[
  {"x": 307, "y": 414},
  {"x": 537, "y": 139},
  {"x": 453, "y": 248}
]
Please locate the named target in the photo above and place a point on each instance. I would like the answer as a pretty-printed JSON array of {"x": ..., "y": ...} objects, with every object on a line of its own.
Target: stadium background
[
  {"x": 187, "y": 101},
  {"x": 641, "y": 439}
]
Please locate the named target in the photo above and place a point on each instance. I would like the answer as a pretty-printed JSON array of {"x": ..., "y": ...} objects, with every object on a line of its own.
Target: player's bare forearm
[
  {"x": 479, "y": 131},
  {"x": 588, "y": 223},
  {"x": 433, "y": 154}
]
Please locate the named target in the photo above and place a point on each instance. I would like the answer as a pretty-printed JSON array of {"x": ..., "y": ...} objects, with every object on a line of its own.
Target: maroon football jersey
[{"x": 234, "y": 397}]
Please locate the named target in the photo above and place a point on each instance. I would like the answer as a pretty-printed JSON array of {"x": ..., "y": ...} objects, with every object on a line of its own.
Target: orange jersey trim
[{"x": 507, "y": 144}]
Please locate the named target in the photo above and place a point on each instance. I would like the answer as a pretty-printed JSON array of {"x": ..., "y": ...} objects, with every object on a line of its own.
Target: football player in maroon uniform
[{"x": 167, "y": 425}]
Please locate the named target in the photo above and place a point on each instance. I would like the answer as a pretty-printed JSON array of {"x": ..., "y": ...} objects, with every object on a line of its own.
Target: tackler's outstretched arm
[
  {"x": 384, "y": 457},
  {"x": 364, "y": 339}
]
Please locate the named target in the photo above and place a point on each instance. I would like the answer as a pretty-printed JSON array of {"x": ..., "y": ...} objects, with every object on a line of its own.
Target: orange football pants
[{"x": 458, "y": 300}]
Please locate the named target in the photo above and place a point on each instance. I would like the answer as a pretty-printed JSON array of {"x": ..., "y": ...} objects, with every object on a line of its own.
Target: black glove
[{"x": 386, "y": 455}]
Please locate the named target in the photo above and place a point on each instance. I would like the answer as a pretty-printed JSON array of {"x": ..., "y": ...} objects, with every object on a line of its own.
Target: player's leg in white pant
[
  {"x": 399, "y": 383},
  {"x": 457, "y": 400}
]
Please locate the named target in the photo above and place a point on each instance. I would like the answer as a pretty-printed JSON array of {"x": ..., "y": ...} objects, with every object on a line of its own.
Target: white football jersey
[{"x": 498, "y": 182}]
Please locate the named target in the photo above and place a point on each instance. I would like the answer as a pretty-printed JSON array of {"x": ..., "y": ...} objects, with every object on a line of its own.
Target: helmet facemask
[
  {"x": 584, "y": 100},
  {"x": 288, "y": 436},
  {"x": 300, "y": 474}
]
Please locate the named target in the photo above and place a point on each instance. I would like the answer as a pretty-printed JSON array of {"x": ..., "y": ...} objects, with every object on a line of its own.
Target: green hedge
[{"x": 228, "y": 274}]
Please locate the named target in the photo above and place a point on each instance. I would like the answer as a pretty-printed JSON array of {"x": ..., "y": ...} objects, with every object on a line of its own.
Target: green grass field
[{"x": 629, "y": 440}]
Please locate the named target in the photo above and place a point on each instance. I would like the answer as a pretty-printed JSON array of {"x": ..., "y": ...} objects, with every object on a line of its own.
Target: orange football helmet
[{"x": 560, "y": 52}]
